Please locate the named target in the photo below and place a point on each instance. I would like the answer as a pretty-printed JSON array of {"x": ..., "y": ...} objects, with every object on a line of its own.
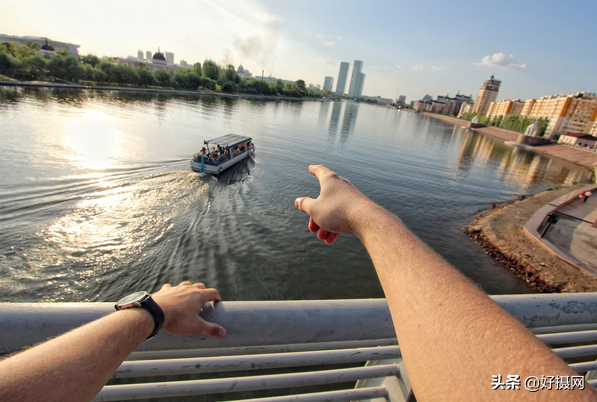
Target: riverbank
[
  {"x": 173, "y": 92},
  {"x": 574, "y": 155},
  {"x": 500, "y": 232}
]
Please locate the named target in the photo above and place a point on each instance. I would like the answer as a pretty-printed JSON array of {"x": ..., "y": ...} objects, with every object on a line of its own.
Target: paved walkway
[{"x": 573, "y": 238}]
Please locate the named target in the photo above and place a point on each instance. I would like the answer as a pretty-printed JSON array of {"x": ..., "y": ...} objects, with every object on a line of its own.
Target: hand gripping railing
[{"x": 286, "y": 346}]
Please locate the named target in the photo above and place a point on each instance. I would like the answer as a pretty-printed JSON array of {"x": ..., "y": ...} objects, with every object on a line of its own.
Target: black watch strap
[
  {"x": 156, "y": 312},
  {"x": 143, "y": 300}
]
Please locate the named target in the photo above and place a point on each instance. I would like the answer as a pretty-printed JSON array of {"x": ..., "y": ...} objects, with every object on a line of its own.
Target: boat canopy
[{"x": 228, "y": 140}]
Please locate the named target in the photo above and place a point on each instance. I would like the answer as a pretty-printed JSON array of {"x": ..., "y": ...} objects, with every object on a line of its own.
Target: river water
[{"x": 97, "y": 198}]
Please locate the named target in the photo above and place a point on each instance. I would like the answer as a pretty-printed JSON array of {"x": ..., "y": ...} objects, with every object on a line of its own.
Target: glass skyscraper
[
  {"x": 342, "y": 74},
  {"x": 355, "y": 80}
]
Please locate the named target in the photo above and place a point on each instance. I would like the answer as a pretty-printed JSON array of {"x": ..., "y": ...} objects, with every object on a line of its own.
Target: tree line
[
  {"x": 514, "y": 123},
  {"x": 26, "y": 63}
]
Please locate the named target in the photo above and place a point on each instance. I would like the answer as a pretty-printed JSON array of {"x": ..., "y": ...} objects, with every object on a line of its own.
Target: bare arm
[
  {"x": 76, "y": 365},
  {"x": 453, "y": 337}
]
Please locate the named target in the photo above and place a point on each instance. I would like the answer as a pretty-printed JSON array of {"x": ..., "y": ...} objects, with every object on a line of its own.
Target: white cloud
[
  {"x": 501, "y": 61},
  {"x": 322, "y": 39},
  {"x": 431, "y": 68},
  {"x": 328, "y": 61}
]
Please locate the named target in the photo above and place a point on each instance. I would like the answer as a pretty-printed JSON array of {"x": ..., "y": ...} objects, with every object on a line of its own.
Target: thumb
[
  {"x": 214, "y": 330},
  {"x": 303, "y": 203}
]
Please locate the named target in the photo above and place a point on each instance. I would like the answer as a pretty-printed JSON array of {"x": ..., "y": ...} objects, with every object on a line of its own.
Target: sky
[{"x": 412, "y": 48}]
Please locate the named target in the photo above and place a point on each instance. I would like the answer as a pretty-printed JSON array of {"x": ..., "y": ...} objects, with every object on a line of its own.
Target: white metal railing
[{"x": 324, "y": 346}]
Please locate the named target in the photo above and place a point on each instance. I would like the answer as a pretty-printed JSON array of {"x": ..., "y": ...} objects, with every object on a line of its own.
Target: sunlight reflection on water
[{"x": 98, "y": 198}]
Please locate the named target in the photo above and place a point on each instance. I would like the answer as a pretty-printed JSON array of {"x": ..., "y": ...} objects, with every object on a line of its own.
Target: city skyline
[{"x": 410, "y": 48}]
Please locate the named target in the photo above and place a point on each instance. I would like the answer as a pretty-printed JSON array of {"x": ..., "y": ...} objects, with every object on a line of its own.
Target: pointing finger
[{"x": 318, "y": 170}]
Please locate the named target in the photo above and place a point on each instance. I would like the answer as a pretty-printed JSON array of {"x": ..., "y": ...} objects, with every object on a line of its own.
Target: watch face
[{"x": 132, "y": 298}]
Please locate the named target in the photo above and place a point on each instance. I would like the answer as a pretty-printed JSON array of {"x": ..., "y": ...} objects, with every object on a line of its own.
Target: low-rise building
[
  {"x": 466, "y": 108},
  {"x": 71, "y": 48},
  {"x": 444, "y": 104},
  {"x": 157, "y": 62},
  {"x": 579, "y": 140}
]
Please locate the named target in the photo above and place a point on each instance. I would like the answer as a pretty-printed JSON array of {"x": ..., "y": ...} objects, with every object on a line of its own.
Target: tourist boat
[{"x": 221, "y": 153}]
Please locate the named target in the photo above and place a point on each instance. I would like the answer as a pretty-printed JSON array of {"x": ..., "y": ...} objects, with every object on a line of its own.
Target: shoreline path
[{"x": 564, "y": 259}]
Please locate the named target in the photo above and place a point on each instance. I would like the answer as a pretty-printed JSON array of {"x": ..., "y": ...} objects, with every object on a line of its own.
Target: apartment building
[
  {"x": 574, "y": 113},
  {"x": 487, "y": 94},
  {"x": 505, "y": 108}
]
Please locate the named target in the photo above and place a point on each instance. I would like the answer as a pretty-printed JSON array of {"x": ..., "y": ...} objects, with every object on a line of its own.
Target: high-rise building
[
  {"x": 148, "y": 55},
  {"x": 328, "y": 83},
  {"x": 140, "y": 54},
  {"x": 354, "y": 80},
  {"x": 170, "y": 58},
  {"x": 342, "y": 74},
  {"x": 358, "y": 88},
  {"x": 487, "y": 94}
]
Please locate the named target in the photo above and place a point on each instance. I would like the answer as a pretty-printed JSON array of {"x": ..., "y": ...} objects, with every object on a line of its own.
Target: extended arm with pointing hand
[
  {"x": 76, "y": 365},
  {"x": 453, "y": 337}
]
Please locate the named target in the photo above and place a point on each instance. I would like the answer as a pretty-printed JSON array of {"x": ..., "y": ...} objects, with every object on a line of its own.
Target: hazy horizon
[{"x": 407, "y": 48}]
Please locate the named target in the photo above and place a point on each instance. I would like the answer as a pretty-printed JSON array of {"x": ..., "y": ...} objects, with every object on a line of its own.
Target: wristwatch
[{"x": 143, "y": 300}]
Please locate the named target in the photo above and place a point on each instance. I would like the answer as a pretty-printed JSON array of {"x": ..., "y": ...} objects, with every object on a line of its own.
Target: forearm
[
  {"x": 449, "y": 330},
  {"x": 81, "y": 361}
]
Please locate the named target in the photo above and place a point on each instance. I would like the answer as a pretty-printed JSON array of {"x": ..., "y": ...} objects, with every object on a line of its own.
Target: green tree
[
  {"x": 542, "y": 125},
  {"x": 7, "y": 62},
  {"x": 208, "y": 83},
  {"x": 229, "y": 87},
  {"x": 99, "y": 75},
  {"x": 231, "y": 74},
  {"x": 300, "y": 84},
  {"x": 278, "y": 87},
  {"x": 194, "y": 80},
  {"x": 87, "y": 72},
  {"x": 197, "y": 69},
  {"x": 90, "y": 59},
  {"x": 34, "y": 66},
  {"x": 163, "y": 78},
  {"x": 469, "y": 115},
  {"x": 145, "y": 77},
  {"x": 65, "y": 67},
  {"x": 182, "y": 81},
  {"x": 10, "y": 48},
  {"x": 106, "y": 68},
  {"x": 124, "y": 75},
  {"x": 496, "y": 121},
  {"x": 34, "y": 46},
  {"x": 211, "y": 70}
]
